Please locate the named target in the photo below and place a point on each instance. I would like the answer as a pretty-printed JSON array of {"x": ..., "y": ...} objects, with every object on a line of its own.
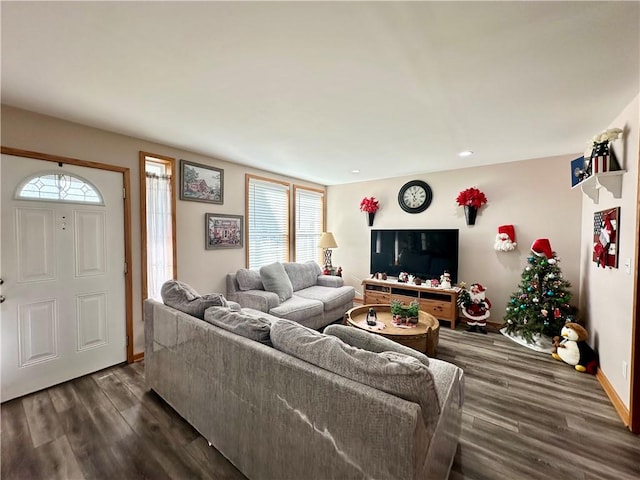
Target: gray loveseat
[
  {"x": 309, "y": 407},
  {"x": 295, "y": 291}
]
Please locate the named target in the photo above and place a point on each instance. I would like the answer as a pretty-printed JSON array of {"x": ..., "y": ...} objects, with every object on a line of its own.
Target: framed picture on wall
[
  {"x": 605, "y": 237},
  {"x": 201, "y": 183},
  {"x": 223, "y": 231}
]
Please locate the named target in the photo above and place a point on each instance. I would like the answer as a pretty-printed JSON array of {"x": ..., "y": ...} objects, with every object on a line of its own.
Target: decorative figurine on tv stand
[{"x": 445, "y": 280}]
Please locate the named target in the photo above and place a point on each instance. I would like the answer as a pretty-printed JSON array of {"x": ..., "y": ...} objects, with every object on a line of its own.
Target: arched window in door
[{"x": 59, "y": 187}]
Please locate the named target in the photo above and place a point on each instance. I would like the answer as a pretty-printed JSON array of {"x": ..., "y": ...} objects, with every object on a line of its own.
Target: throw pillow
[
  {"x": 249, "y": 279},
  {"x": 254, "y": 327},
  {"x": 395, "y": 373},
  {"x": 181, "y": 296},
  {"x": 275, "y": 279},
  {"x": 302, "y": 275},
  {"x": 372, "y": 342}
]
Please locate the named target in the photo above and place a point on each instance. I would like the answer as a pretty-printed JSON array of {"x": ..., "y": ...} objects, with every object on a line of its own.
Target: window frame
[
  {"x": 248, "y": 178},
  {"x": 291, "y": 214},
  {"x": 323, "y": 222},
  {"x": 170, "y": 163}
]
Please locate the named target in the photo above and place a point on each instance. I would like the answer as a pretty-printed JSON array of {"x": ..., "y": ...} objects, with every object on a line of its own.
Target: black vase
[
  {"x": 370, "y": 217},
  {"x": 470, "y": 214}
]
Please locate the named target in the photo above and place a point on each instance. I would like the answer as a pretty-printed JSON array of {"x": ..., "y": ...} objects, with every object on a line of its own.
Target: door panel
[
  {"x": 91, "y": 255},
  {"x": 92, "y": 320},
  {"x": 34, "y": 242},
  {"x": 37, "y": 317}
]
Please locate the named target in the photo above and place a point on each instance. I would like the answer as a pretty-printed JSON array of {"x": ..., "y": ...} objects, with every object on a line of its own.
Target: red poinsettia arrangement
[
  {"x": 472, "y": 197},
  {"x": 369, "y": 205}
]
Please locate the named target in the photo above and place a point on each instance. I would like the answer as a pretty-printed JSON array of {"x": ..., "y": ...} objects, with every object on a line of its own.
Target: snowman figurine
[
  {"x": 445, "y": 280},
  {"x": 476, "y": 310}
]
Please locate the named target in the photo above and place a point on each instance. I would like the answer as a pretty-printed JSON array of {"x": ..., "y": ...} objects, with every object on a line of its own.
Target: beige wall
[
  {"x": 607, "y": 294},
  {"x": 204, "y": 269},
  {"x": 535, "y": 196}
]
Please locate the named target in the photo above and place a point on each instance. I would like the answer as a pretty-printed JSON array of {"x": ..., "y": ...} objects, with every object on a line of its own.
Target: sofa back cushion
[
  {"x": 394, "y": 373},
  {"x": 302, "y": 275},
  {"x": 275, "y": 279},
  {"x": 249, "y": 279},
  {"x": 359, "y": 338},
  {"x": 249, "y": 325},
  {"x": 182, "y": 297}
]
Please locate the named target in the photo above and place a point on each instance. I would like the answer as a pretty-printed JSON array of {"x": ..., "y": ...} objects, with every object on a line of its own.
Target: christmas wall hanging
[{"x": 605, "y": 237}]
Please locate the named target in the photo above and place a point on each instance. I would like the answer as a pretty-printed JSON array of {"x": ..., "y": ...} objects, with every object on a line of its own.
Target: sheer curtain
[{"x": 159, "y": 234}]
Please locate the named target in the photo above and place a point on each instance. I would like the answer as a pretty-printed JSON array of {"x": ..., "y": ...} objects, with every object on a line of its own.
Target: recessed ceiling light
[
  {"x": 466, "y": 153},
  {"x": 355, "y": 171}
]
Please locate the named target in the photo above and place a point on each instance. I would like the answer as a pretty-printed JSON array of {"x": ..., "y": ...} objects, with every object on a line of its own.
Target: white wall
[
  {"x": 607, "y": 294},
  {"x": 204, "y": 269},
  {"x": 535, "y": 196}
]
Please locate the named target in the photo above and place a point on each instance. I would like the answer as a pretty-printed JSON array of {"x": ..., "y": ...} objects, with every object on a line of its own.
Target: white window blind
[
  {"x": 309, "y": 224},
  {"x": 267, "y": 222}
]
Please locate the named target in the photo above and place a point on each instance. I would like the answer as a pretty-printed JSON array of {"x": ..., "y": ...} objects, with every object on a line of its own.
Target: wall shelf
[{"x": 610, "y": 181}]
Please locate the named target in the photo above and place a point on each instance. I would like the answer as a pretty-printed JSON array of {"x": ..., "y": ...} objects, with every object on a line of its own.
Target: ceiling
[{"x": 315, "y": 90}]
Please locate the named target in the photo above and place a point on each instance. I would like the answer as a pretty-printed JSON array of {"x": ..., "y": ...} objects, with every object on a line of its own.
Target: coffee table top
[{"x": 357, "y": 317}]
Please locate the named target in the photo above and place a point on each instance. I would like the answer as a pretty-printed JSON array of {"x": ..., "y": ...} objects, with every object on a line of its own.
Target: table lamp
[{"x": 327, "y": 242}]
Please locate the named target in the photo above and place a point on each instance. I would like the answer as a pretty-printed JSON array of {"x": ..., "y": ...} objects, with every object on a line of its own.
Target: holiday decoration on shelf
[
  {"x": 471, "y": 199},
  {"x": 540, "y": 306},
  {"x": 475, "y": 306},
  {"x": 370, "y": 206},
  {"x": 574, "y": 349},
  {"x": 505, "y": 239},
  {"x": 599, "y": 155},
  {"x": 605, "y": 238}
]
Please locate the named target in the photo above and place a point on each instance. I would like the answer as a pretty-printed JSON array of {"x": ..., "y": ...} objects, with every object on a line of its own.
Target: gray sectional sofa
[
  {"x": 285, "y": 402},
  {"x": 295, "y": 291}
]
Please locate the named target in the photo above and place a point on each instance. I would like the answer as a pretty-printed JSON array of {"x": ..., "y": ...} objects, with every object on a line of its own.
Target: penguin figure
[{"x": 574, "y": 349}]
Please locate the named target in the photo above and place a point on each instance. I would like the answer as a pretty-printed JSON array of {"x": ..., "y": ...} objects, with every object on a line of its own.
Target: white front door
[{"x": 62, "y": 266}]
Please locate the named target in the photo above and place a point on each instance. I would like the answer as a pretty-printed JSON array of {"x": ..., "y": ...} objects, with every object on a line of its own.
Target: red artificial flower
[
  {"x": 471, "y": 196},
  {"x": 369, "y": 205}
]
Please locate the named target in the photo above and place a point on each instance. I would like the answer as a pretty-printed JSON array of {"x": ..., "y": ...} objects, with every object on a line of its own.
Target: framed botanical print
[
  {"x": 223, "y": 231},
  {"x": 201, "y": 183}
]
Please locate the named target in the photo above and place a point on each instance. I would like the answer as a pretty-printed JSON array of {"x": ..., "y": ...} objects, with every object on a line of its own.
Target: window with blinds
[
  {"x": 309, "y": 223},
  {"x": 267, "y": 221}
]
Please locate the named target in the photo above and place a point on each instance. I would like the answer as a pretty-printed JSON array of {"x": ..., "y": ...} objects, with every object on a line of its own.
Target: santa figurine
[
  {"x": 505, "y": 239},
  {"x": 476, "y": 309}
]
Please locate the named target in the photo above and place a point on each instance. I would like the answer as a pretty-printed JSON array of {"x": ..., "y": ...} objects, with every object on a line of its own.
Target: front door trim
[{"x": 126, "y": 181}]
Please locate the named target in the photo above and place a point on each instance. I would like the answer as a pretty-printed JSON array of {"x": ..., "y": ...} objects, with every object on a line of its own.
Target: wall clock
[{"x": 415, "y": 196}]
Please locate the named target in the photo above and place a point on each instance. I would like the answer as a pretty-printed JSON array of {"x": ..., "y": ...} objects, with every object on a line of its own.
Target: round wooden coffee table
[{"x": 423, "y": 337}]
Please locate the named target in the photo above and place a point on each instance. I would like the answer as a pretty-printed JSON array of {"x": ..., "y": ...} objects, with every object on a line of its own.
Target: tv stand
[{"x": 439, "y": 302}]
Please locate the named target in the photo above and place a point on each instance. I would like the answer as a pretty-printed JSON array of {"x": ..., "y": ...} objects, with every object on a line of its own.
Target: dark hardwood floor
[{"x": 526, "y": 416}]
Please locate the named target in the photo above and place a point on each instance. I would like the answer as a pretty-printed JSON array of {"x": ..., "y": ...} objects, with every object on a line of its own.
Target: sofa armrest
[
  {"x": 257, "y": 299},
  {"x": 330, "y": 281}
]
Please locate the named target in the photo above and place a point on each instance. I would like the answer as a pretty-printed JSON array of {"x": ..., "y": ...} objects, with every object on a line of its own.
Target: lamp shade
[{"x": 327, "y": 241}]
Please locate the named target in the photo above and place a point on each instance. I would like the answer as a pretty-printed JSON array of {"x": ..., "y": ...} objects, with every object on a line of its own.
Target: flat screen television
[{"x": 423, "y": 253}]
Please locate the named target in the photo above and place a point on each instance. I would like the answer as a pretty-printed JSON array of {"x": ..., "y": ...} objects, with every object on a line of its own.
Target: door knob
[
  {"x": 1, "y": 281},
  {"x": 2, "y": 298}
]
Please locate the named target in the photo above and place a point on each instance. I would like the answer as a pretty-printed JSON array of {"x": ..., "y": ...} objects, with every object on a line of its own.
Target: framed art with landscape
[
  {"x": 223, "y": 231},
  {"x": 201, "y": 183}
]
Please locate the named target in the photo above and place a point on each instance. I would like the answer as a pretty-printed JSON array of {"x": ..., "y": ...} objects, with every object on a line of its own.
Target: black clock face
[{"x": 415, "y": 196}]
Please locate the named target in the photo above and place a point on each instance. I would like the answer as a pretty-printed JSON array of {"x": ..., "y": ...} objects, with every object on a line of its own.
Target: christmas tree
[{"x": 540, "y": 306}]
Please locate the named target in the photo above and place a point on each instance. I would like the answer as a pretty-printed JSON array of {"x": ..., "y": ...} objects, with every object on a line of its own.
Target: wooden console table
[{"x": 439, "y": 302}]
